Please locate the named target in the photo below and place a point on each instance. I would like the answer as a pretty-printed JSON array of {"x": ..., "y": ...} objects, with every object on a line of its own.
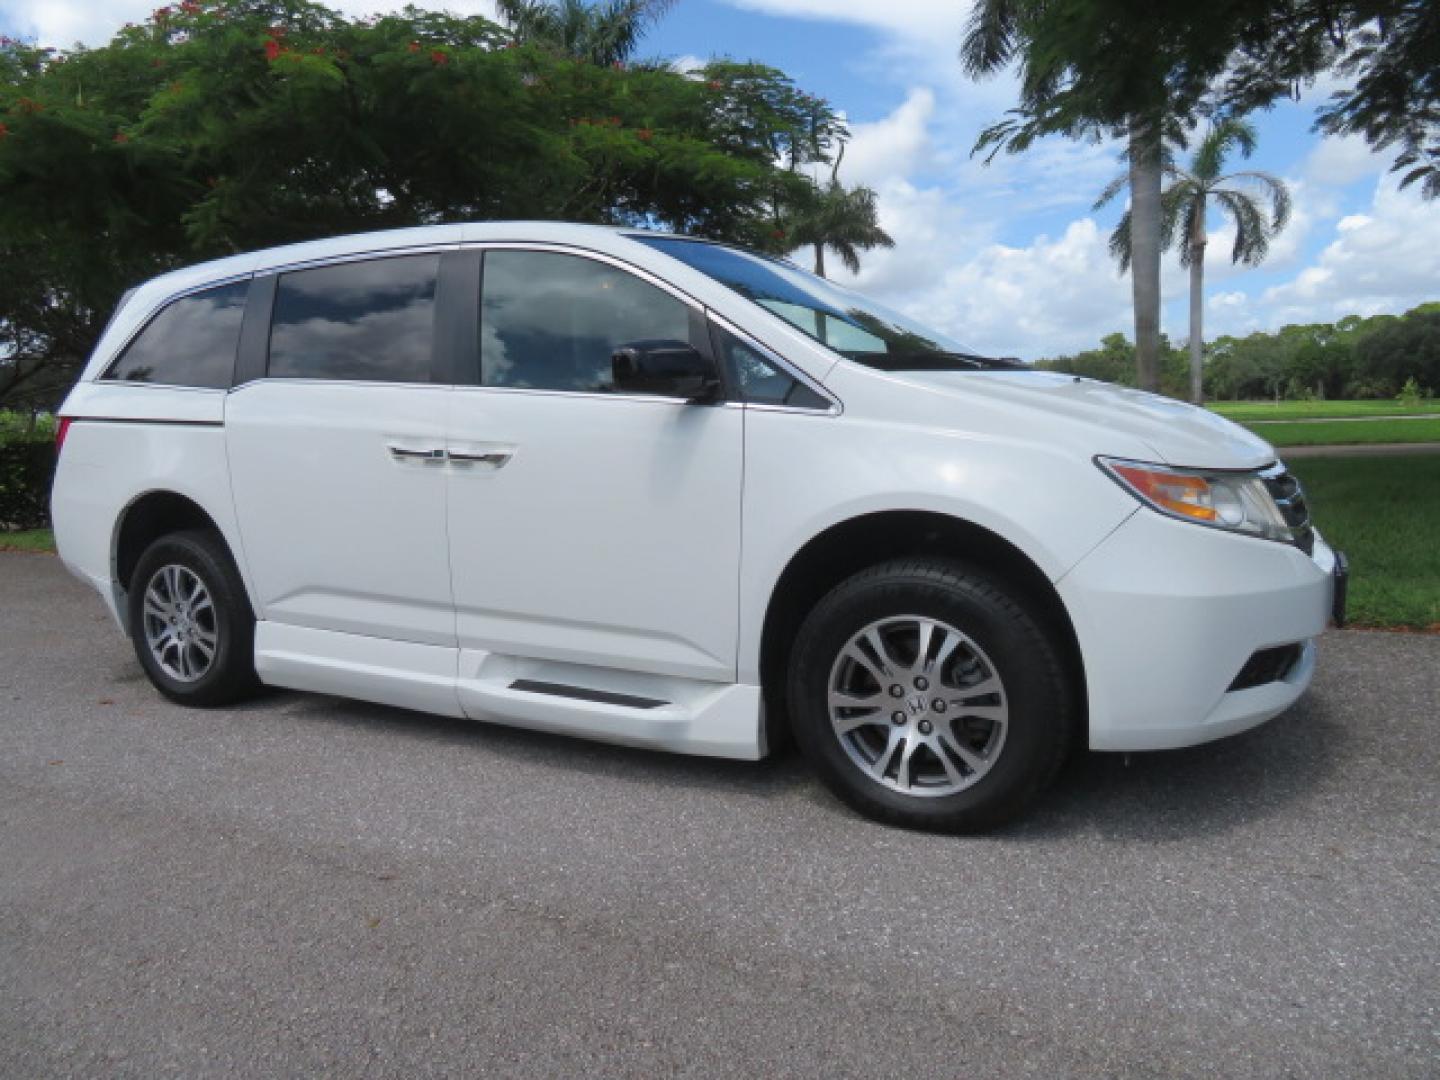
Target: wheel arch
[
  {"x": 149, "y": 516},
  {"x": 847, "y": 547}
]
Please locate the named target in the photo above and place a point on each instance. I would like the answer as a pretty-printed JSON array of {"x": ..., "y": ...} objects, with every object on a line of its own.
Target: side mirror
[{"x": 667, "y": 368}]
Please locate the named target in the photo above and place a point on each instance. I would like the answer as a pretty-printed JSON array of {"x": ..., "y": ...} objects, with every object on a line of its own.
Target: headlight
[{"x": 1237, "y": 501}]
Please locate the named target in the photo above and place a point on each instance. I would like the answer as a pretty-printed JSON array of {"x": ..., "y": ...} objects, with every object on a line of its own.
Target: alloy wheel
[
  {"x": 918, "y": 706},
  {"x": 181, "y": 629}
]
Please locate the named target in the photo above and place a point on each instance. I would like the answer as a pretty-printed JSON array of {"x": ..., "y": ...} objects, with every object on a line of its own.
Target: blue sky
[{"x": 1009, "y": 257}]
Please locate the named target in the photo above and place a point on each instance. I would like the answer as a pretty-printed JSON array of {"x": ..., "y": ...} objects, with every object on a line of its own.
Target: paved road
[{"x": 306, "y": 885}]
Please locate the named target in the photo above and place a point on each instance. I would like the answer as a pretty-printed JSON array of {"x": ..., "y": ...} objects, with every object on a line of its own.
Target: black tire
[
  {"x": 229, "y": 675},
  {"x": 1004, "y": 632}
]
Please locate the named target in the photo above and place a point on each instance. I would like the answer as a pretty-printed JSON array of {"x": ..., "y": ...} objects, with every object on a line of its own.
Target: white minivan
[{"x": 670, "y": 493}]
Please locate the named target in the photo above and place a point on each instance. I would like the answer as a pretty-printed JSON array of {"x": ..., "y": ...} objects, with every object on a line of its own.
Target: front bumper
[{"x": 1167, "y": 613}]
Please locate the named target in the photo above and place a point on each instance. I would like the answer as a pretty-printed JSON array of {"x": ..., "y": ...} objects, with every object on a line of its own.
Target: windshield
[{"x": 852, "y": 325}]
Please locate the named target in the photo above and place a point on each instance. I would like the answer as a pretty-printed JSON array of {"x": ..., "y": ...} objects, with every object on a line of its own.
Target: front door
[{"x": 588, "y": 527}]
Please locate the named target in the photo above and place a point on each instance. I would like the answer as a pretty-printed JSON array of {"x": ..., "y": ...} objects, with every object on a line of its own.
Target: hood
[{"x": 1180, "y": 434}]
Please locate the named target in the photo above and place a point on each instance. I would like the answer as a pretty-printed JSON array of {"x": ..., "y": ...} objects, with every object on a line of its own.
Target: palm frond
[
  {"x": 601, "y": 33},
  {"x": 1226, "y": 135},
  {"x": 1190, "y": 219},
  {"x": 1120, "y": 243},
  {"x": 990, "y": 37},
  {"x": 1275, "y": 188},
  {"x": 1252, "y": 231},
  {"x": 1112, "y": 189},
  {"x": 1173, "y": 203}
]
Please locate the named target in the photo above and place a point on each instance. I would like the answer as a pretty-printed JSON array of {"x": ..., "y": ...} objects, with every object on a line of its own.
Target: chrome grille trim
[{"x": 1289, "y": 497}]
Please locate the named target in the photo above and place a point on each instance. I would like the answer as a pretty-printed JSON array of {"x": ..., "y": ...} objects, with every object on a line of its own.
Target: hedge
[{"x": 27, "y": 467}]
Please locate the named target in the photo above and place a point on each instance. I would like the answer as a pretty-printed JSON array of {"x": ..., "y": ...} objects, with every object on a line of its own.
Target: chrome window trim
[
  {"x": 357, "y": 256},
  {"x": 144, "y": 324},
  {"x": 595, "y": 256},
  {"x": 599, "y": 395},
  {"x": 162, "y": 386},
  {"x": 309, "y": 381}
]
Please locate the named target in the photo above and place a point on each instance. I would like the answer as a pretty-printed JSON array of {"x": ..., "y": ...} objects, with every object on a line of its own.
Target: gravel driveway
[{"x": 309, "y": 885}]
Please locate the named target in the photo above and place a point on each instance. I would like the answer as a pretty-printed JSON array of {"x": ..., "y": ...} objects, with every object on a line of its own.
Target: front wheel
[
  {"x": 929, "y": 694},
  {"x": 191, "y": 622}
]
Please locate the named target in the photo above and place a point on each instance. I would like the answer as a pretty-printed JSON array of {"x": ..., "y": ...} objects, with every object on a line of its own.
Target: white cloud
[
  {"x": 1053, "y": 295},
  {"x": 1385, "y": 260},
  {"x": 925, "y": 19},
  {"x": 920, "y": 38},
  {"x": 1054, "y": 173},
  {"x": 63, "y": 23},
  {"x": 892, "y": 147},
  {"x": 1342, "y": 159}
]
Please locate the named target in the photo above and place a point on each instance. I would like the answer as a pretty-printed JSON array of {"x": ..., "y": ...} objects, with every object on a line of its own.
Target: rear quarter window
[
  {"x": 370, "y": 321},
  {"x": 190, "y": 342}
]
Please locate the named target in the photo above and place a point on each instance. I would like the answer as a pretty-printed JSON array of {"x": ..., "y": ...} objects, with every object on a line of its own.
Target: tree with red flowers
[{"x": 216, "y": 127}]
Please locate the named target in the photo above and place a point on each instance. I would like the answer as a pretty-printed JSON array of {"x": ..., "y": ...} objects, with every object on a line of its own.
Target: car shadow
[
  {"x": 778, "y": 775},
  {"x": 1148, "y": 797}
]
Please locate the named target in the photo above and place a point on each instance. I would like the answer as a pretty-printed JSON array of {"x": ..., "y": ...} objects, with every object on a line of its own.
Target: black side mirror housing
[{"x": 665, "y": 368}]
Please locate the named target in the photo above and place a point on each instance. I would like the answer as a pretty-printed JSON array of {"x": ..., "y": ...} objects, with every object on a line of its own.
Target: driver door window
[{"x": 550, "y": 321}]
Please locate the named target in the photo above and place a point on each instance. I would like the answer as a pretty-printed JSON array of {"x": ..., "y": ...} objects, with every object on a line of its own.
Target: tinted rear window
[
  {"x": 370, "y": 321},
  {"x": 191, "y": 342}
]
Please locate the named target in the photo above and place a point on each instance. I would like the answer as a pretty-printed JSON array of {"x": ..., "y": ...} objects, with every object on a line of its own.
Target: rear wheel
[
  {"x": 190, "y": 620},
  {"x": 929, "y": 694}
]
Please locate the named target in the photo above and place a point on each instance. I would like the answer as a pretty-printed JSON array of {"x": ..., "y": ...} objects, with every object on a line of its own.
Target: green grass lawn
[
  {"x": 1319, "y": 410},
  {"x": 28, "y": 540},
  {"x": 1385, "y": 514},
  {"x": 1349, "y": 432}
]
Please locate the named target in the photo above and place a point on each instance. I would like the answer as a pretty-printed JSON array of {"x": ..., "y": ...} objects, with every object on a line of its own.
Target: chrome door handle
[
  {"x": 493, "y": 457},
  {"x": 408, "y": 453}
]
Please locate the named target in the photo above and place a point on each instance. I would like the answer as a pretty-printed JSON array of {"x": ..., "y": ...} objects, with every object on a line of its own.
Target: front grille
[
  {"x": 1267, "y": 666},
  {"x": 1289, "y": 496}
]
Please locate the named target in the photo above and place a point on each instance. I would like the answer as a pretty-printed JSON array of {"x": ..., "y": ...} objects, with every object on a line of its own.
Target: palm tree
[
  {"x": 1183, "y": 206},
  {"x": 845, "y": 220},
  {"x": 1091, "y": 69},
  {"x": 603, "y": 33}
]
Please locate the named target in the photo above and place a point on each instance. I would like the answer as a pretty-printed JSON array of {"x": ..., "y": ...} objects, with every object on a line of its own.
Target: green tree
[
  {"x": 603, "y": 33},
  {"x": 1183, "y": 208},
  {"x": 220, "y": 127},
  {"x": 1388, "y": 49},
  {"x": 1399, "y": 350},
  {"x": 1113, "y": 362},
  {"x": 1356, "y": 357}
]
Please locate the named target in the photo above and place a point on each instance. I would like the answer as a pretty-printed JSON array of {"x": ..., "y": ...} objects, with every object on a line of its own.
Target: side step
[{"x": 659, "y": 712}]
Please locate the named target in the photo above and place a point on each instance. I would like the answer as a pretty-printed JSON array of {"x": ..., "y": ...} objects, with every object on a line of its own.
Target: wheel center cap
[{"x": 916, "y": 704}]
